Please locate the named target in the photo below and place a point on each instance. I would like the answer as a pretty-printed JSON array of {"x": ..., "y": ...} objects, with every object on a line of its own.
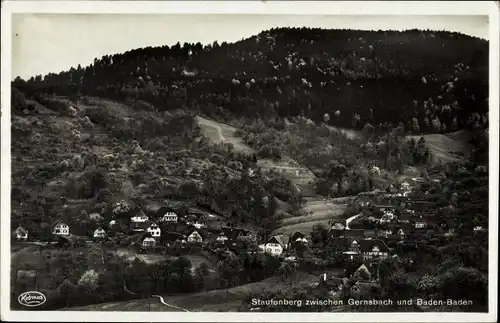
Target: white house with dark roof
[
  {"x": 60, "y": 227},
  {"x": 372, "y": 249},
  {"x": 276, "y": 245},
  {"x": 139, "y": 217},
  {"x": 170, "y": 216},
  {"x": 21, "y": 233},
  {"x": 194, "y": 237},
  {"x": 149, "y": 242},
  {"x": 99, "y": 233},
  {"x": 154, "y": 230},
  {"x": 221, "y": 237}
]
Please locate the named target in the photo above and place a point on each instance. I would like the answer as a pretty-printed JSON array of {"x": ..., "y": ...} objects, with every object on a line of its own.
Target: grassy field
[
  {"x": 211, "y": 301},
  {"x": 299, "y": 175},
  {"x": 219, "y": 132},
  {"x": 318, "y": 211},
  {"x": 449, "y": 147}
]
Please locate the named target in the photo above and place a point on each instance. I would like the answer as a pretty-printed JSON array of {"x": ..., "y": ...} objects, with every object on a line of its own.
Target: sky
[{"x": 44, "y": 43}]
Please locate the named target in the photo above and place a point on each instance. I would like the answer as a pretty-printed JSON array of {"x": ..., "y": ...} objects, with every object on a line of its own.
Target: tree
[
  {"x": 415, "y": 128},
  {"x": 66, "y": 289},
  {"x": 89, "y": 280},
  {"x": 202, "y": 272},
  {"x": 287, "y": 268},
  {"x": 337, "y": 171},
  {"x": 368, "y": 131},
  {"x": 465, "y": 283}
]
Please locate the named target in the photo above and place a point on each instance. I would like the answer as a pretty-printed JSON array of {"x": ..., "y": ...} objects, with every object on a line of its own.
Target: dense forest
[{"x": 430, "y": 81}]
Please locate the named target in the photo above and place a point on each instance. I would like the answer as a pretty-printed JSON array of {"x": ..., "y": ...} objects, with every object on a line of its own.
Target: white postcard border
[{"x": 250, "y": 7}]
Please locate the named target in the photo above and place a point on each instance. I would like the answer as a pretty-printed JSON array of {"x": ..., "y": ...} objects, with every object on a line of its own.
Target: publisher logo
[{"x": 31, "y": 299}]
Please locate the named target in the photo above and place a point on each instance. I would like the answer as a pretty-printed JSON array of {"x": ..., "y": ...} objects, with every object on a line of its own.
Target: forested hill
[{"x": 431, "y": 81}]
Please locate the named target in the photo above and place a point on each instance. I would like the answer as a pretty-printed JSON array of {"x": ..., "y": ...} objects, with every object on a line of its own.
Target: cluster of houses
[{"x": 398, "y": 216}]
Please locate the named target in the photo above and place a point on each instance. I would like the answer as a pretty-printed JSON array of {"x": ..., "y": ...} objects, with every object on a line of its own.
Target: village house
[
  {"x": 420, "y": 223},
  {"x": 221, "y": 237},
  {"x": 478, "y": 229},
  {"x": 198, "y": 224},
  {"x": 148, "y": 242},
  {"x": 351, "y": 248},
  {"x": 337, "y": 226},
  {"x": 298, "y": 237},
  {"x": 373, "y": 249},
  {"x": 401, "y": 233},
  {"x": 385, "y": 233},
  {"x": 21, "y": 233},
  {"x": 276, "y": 245},
  {"x": 405, "y": 186},
  {"x": 99, "y": 233},
  {"x": 139, "y": 217},
  {"x": 332, "y": 284},
  {"x": 170, "y": 216},
  {"x": 194, "y": 237},
  {"x": 386, "y": 210},
  {"x": 154, "y": 230},
  {"x": 140, "y": 226},
  {"x": 59, "y": 227},
  {"x": 363, "y": 272},
  {"x": 385, "y": 219}
]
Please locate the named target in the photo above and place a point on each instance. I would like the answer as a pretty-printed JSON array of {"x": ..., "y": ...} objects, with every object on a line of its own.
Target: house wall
[
  {"x": 274, "y": 249},
  {"x": 195, "y": 237},
  {"x": 61, "y": 229}
]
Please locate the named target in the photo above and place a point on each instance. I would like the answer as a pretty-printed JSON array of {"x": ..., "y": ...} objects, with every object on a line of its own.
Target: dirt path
[
  {"x": 222, "y": 133},
  {"x": 169, "y": 305}
]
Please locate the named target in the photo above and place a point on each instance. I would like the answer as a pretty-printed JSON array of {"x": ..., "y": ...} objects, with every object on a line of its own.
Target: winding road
[
  {"x": 170, "y": 305},
  {"x": 155, "y": 296}
]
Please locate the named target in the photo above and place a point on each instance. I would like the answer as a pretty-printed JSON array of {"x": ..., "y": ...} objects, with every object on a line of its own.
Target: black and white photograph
[{"x": 329, "y": 160}]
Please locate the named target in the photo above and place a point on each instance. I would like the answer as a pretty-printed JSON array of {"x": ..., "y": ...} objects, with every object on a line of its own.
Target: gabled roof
[
  {"x": 367, "y": 245},
  {"x": 363, "y": 267},
  {"x": 20, "y": 229},
  {"x": 297, "y": 235},
  {"x": 280, "y": 239},
  {"x": 202, "y": 233},
  {"x": 337, "y": 226},
  {"x": 57, "y": 221}
]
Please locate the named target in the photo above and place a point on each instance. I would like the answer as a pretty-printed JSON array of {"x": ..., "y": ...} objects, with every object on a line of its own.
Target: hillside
[
  {"x": 217, "y": 300},
  {"x": 437, "y": 80}
]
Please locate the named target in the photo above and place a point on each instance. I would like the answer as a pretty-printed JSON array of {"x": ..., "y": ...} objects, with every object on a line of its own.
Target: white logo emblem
[{"x": 31, "y": 299}]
